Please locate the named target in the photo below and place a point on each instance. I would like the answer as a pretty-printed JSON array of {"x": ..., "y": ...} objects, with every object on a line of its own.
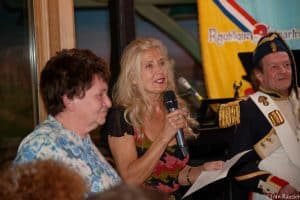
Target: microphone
[
  {"x": 172, "y": 105},
  {"x": 183, "y": 82}
]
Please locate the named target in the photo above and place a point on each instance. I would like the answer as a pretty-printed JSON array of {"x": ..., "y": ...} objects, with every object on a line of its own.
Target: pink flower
[
  {"x": 171, "y": 165},
  {"x": 168, "y": 189}
]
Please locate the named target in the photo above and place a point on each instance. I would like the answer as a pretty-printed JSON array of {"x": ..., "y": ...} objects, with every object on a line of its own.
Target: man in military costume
[{"x": 267, "y": 123}]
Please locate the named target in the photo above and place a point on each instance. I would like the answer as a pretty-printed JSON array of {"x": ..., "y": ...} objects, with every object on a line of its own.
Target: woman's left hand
[{"x": 189, "y": 174}]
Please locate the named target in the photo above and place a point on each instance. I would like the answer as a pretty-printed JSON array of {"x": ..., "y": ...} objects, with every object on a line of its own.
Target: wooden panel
[
  {"x": 66, "y": 24},
  {"x": 54, "y": 30}
]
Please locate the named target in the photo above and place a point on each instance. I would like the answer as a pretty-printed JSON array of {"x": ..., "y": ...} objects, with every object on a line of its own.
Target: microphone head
[
  {"x": 170, "y": 100},
  {"x": 183, "y": 82}
]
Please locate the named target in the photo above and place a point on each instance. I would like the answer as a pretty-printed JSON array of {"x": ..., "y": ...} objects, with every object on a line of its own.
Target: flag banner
[{"x": 230, "y": 27}]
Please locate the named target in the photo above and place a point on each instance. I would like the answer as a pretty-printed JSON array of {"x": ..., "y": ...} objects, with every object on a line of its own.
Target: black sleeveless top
[{"x": 164, "y": 176}]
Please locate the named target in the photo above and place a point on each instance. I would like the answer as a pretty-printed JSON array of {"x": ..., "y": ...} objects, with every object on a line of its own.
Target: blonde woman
[{"x": 141, "y": 131}]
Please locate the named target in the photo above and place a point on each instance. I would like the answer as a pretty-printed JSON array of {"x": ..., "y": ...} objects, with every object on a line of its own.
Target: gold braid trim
[
  {"x": 251, "y": 175},
  {"x": 229, "y": 114}
]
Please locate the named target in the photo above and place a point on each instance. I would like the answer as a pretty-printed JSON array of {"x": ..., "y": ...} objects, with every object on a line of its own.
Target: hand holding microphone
[
  {"x": 172, "y": 105},
  {"x": 183, "y": 82}
]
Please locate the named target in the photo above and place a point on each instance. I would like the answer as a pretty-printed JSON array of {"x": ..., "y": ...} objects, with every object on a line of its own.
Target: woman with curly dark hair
[{"x": 74, "y": 87}]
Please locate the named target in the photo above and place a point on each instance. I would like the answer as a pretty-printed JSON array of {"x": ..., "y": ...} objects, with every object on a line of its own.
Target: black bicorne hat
[
  {"x": 270, "y": 43},
  {"x": 267, "y": 44}
]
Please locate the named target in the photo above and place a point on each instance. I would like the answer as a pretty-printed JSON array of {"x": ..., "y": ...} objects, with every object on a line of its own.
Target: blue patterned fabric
[{"x": 51, "y": 140}]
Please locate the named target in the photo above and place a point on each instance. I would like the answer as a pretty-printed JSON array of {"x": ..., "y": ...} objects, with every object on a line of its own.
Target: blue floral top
[{"x": 50, "y": 140}]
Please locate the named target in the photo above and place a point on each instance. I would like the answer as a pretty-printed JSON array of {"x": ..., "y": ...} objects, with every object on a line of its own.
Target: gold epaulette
[{"x": 229, "y": 114}]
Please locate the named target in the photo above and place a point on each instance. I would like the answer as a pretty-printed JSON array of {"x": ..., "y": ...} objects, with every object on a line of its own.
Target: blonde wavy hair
[{"x": 129, "y": 93}]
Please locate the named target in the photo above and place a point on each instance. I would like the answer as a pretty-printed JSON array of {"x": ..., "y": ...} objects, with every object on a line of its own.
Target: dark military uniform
[
  {"x": 253, "y": 128},
  {"x": 269, "y": 136},
  {"x": 252, "y": 131}
]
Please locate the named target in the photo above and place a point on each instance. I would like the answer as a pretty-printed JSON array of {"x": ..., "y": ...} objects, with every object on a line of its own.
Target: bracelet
[{"x": 188, "y": 176}]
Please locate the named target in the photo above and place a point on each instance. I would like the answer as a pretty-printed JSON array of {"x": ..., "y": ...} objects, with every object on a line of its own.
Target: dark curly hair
[
  {"x": 41, "y": 180},
  {"x": 70, "y": 72},
  {"x": 129, "y": 192}
]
